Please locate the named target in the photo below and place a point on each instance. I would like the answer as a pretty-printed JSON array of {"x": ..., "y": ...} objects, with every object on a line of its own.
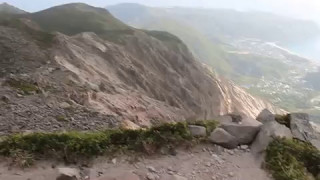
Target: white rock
[{"x": 68, "y": 174}]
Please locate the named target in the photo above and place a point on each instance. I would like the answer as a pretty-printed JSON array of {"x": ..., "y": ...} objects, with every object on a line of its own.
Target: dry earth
[{"x": 204, "y": 162}]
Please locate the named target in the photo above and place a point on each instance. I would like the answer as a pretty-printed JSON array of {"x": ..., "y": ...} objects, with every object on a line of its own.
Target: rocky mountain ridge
[{"x": 52, "y": 81}]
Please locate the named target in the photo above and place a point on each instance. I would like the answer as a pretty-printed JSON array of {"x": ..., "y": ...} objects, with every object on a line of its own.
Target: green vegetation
[
  {"x": 293, "y": 160},
  {"x": 210, "y": 125},
  {"x": 73, "y": 145},
  {"x": 76, "y": 18},
  {"x": 8, "y": 9},
  {"x": 164, "y": 36},
  {"x": 26, "y": 87},
  {"x": 43, "y": 39},
  {"x": 283, "y": 119}
]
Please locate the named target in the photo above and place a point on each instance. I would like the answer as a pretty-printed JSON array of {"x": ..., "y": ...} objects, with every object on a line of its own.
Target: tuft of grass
[
  {"x": 283, "y": 119},
  {"x": 21, "y": 158},
  {"x": 71, "y": 145},
  {"x": 26, "y": 87},
  {"x": 292, "y": 160},
  {"x": 210, "y": 125}
]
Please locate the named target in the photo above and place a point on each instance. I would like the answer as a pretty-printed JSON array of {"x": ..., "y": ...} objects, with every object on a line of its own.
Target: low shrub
[
  {"x": 283, "y": 119},
  {"x": 292, "y": 159},
  {"x": 90, "y": 144},
  {"x": 210, "y": 125},
  {"x": 26, "y": 87}
]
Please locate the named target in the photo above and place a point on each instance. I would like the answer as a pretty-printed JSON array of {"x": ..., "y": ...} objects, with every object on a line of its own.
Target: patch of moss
[
  {"x": 283, "y": 119},
  {"x": 26, "y": 87},
  {"x": 292, "y": 159},
  {"x": 210, "y": 125}
]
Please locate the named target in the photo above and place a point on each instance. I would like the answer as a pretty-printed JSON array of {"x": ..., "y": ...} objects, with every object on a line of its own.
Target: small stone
[
  {"x": 244, "y": 147},
  {"x": 68, "y": 174},
  {"x": 5, "y": 98},
  {"x": 231, "y": 174},
  {"x": 231, "y": 152},
  {"x": 64, "y": 105},
  {"x": 151, "y": 176},
  {"x": 208, "y": 164},
  {"x": 151, "y": 169},
  {"x": 114, "y": 161}
]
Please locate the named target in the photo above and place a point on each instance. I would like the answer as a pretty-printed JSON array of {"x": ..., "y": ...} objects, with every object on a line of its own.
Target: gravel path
[{"x": 205, "y": 162}]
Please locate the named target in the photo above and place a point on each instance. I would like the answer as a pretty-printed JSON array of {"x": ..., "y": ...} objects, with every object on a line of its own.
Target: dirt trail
[{"x": 204, "y": 162}]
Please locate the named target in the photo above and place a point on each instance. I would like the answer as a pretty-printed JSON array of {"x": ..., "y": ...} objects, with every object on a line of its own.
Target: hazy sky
[{"x": 309, "y": 9}]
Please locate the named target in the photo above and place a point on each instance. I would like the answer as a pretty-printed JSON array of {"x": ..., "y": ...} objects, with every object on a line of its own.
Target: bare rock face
[
  {"x": 302, "y": 129},
  {"x": 221, "y": 137}
]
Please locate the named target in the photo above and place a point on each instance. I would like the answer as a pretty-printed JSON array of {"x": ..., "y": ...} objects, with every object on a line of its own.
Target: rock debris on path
[{"x": 204, "y": 162}]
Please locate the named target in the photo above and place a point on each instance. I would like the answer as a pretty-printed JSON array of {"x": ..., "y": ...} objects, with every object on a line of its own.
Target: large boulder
[
  {"x": 244, "y": 131},
  {"x": 197, "y": 131},
  {"x": 268, "y": 132},
  {"x": 68, "y": 174},
  {"x": 302, "y": 129},
  {"x": 221, "y": 137},
  {"x": 266, "y": 116}
]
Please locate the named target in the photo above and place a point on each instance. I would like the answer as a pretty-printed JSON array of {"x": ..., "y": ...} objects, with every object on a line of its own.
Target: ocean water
[{"x": 309, "y": 49}]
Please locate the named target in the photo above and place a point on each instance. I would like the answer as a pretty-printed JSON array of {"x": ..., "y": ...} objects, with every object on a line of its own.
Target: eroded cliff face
[{"x": 85, "y": 82}]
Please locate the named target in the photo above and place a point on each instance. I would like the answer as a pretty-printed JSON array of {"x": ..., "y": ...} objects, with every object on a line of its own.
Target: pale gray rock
[
  {"x": 266, "y": 116},
  {"x": 268, "y": 132},
  {"x": 68, "y": 174},
  {"x": 221, "y": 137},
  {"x": 244, "y": 132},
  {"x": 197, "y": 131}
]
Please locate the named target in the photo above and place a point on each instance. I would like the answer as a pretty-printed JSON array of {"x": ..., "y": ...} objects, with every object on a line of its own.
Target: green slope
[
  {"x": 156, "y": 19},
  {"x": 8, "y": 9},
  {"x": 75, "y": 18}
]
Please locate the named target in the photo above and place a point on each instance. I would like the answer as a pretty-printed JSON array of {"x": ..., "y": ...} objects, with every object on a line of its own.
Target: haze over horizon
[{"x": 305, "y": 9}]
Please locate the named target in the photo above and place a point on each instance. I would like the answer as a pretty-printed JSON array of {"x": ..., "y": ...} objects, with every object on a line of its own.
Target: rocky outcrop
[
  {"x": 302, "y": 129},
  {"x": 268, "y": 132},
  {"x": 88, "y": 81}
]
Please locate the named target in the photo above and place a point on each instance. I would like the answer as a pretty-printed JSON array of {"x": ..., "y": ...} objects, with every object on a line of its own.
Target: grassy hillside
[
  {"x": 75, "y": 18},
  {"x": 157, "y": 19},
  {"x": 8, "y": 9}
]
